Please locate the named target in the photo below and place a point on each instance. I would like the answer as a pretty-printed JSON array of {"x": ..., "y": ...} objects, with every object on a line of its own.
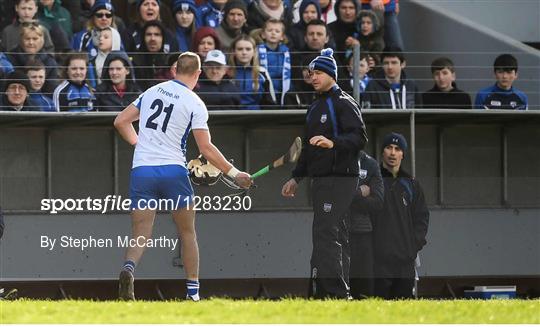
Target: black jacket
[
  {"x": 340, "y": 30},
  {"x": 364, "y": 209},
  {"x": 454, "y": 99},
  {"x": 400, "y": 228},
  {"x": 336, "y": 116},
  {"x": 378, "y": 94},
  {"x": 107, "y": 99},
  {"x": 222, "y": 96}
]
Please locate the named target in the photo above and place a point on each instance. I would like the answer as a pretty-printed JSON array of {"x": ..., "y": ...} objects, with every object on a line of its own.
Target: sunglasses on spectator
[{"x": 101, "y": 15}]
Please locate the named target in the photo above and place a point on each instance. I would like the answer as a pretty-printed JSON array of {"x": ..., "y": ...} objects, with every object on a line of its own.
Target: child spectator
[
  {"x": 445, "y": 94},
  {"x": 363, "y": 77},
  {"x": 15, "y": 94},
  {"x": 390, "y": 8},
  {"x": 344, "y": 29},
  {"x": 371, "y": 33},
  {"x": 259, "y": 11},
  {"x": 390, "y": 88},
  {"x": 274, "y": 56},
  {"x": 26, "y": 11},
  {"x": 147, "y": 11},
  {"x": 216, "y": 91},
  {"x": 234, "y": 23},
  {"x": 252, "y": 80},
  {"x": 151, "y": 62},
  {"x": 105, "y": 40},
  {"x": 35, "y": 71},
  {"x": 211, "y": 13},
  {"x": 102, "y": 16},
  {"x": 303, "y": 88},
  {"x": 31, "y": 47},
  {"x": 74, "y": 94},
  {"x": 185, "y": 14},
  {"x": 205, "y": 39},
  {"x": 328, "y": 15},
  {"x": 51, "y": 12},
  {"x": 118, "y": 88},
  {"x": 309, "y": 10},
  {"x": 503, "y": 95}
]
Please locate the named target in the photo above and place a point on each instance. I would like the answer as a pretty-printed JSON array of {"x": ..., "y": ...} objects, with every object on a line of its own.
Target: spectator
[
  {"x": 26, "y": 11},
  {"x": 363, "y": 70},
  {"x": 148, "y": 10},
  {"x": 328, "y": 14},
  {"x": 344, "y": 29},
  {"x": 118, "y": 88},
  {"x": 252, "y": 80},
  {"x": 303, "y": 89},
  {"x": 234, "y": 23},
  {"x": 185, "y": 13},
  {"x": 503, "y": 95},
  {"x": 211, "y": 13},
  {"x": 260, "y": 11},
  {"x": 74, "y": 94},
  {"x": 309, "y": 10},
  {"x": 216, "y": 91},
  {"x": 404, "y": 220},
  {"x": 205, "y": 39},
  {"x": 392, "y": 32},
  {"x": 105, "y": 40},
  {"x": 35, "y": 71},
  {"x": 150, "y": 62},
  {"x": 51, "y": 12},
  {"x": 102, "y": 16},
  {"x": 366, "y": 205},
  {"x": 390, "y": 88},
  {"x": 31, "y": 47},
  {"x": 371, "y": 33},
  {"x": 445, "y": 94},
  {"x": 15, "y": 94},
  {"x": 274, "y": 56}
]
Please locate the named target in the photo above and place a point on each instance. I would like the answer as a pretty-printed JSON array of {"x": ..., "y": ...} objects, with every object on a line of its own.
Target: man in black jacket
[
  {"x": 368, "y": 202},
  {"x": 401, "y": 227},
  {"x": 334, "y": 135}
]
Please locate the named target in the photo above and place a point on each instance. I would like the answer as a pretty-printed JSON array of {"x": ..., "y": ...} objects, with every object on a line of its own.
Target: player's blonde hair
[{"x": 188, "y": 63}]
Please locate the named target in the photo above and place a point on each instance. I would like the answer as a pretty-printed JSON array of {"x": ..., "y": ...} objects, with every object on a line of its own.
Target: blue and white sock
[
  {"x": 193, "y": 289},
  {"x": 129, "y": 266}
]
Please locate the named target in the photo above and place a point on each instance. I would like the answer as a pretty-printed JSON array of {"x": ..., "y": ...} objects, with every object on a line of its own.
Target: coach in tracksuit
[
  {"x": 334, "y": 134},
  {"x": 401, "y": 227},
  {"x": 367, "y": 203}
]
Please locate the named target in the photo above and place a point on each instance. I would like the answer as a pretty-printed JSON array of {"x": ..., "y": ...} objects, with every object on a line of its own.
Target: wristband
[{"x": 233, "y": 172}]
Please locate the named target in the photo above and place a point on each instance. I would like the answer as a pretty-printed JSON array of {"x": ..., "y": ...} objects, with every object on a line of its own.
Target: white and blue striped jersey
[{"x": 168, "y": 112}]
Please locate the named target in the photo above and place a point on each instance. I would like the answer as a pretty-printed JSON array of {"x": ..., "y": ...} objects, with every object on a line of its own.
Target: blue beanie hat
[
  {"x": 102, "y": 4},
  {"x": 396, "y": 139},
  {"x": 326, "y": 63},
  {"x": 140, "y": 2},
  {"x": 184, "y": 4}
]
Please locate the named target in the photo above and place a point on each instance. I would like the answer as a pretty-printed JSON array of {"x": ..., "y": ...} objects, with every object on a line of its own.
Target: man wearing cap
[
  {"x": 216, "y": 91},
  {"x": 401, "y": 227},
  {"x": 15, "y": 97},
  {"x": 334, "y": 135}
]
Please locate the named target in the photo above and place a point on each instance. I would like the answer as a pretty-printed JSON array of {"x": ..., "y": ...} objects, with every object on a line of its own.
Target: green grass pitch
[{"x": 276, "y": 312}]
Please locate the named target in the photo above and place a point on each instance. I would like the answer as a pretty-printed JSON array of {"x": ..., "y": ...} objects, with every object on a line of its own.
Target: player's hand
[
  {"x": 289, "y": 188},
  {"x": 365, "y": 190},
  {"x": 321, "y": 141},
  {"x": 377, "y": 5},
  {"x": 243, "y": 179}
]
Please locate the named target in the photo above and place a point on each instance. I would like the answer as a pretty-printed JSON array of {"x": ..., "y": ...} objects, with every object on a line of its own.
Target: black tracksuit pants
[
  {"x": 394, "y": 280},
  {"x": 361, "y": 272},
  {"x": 332, "y": 197}
]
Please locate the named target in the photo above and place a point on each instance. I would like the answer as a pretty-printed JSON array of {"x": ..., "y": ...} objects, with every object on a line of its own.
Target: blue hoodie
[
  {"x": 210, "y": 15},
  {"x": 249, "y": 99},
  {"x": 184, "y": 35}
]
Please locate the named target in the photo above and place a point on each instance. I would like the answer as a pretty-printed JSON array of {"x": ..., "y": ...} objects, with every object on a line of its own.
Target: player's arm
[
  {"x": 124, "y": 124},
  {"x": 216, "y": 158}
]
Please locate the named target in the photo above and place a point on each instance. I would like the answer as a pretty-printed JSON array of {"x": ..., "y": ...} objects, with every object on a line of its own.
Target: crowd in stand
[{"x": 93, "y": 55}]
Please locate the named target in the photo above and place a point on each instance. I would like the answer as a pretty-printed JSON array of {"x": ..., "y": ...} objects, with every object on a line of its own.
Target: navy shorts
[{"x": 160, "y": 187}]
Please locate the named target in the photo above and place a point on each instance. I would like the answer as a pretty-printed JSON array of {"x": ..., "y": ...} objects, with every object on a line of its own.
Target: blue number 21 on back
[{"x": 158, "y": 104}]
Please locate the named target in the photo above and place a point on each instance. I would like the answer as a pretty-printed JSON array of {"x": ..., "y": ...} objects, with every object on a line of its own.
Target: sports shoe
[
  {"x": 126, "y": 290},
  {"x": 194, "y": 298}
]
